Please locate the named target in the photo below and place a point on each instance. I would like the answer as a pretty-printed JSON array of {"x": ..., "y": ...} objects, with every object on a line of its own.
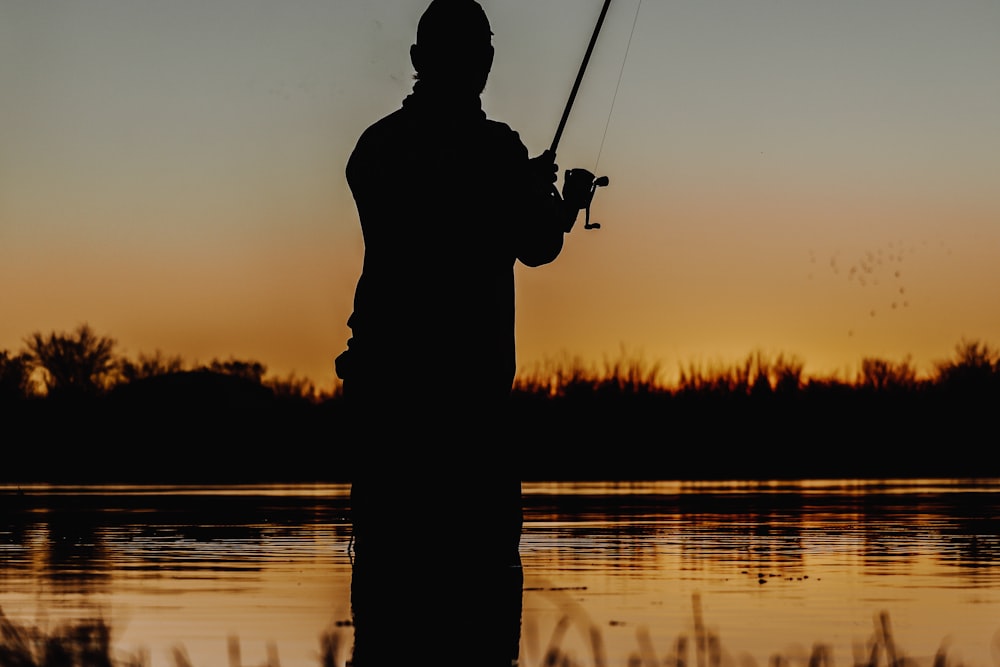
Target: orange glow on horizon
[{"x": 754, "y": 161}]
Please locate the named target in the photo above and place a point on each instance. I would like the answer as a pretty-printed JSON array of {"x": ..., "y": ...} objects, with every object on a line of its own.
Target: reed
[
  {"x": 84, "y": 643},
  {"x": 88, "y": 643},
  {"x": 703, "y": 648},
  {"x": 627, "y": 375}
]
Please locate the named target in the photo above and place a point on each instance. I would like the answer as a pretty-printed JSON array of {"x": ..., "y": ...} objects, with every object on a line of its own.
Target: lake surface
[{"x": 773, "y": 567}]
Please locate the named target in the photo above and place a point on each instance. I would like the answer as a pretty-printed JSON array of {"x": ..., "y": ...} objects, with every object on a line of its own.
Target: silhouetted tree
[
  {"x": 15, "y": 376},
  {"x": 80, "y": 362},
  {"x": 885, "y": 375},
  {"x": 294, "y": 388},
  {"x": 976, "y": 367},
  {"x": 149, "y": 366},
  {"x": 248, "y": 370}
]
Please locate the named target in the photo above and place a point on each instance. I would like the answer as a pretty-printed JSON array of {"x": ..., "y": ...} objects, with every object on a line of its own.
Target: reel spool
[{"x": 580, "y": 180}]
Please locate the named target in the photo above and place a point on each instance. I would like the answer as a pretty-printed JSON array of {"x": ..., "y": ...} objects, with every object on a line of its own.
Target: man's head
[{"x": 454, "y": 47}]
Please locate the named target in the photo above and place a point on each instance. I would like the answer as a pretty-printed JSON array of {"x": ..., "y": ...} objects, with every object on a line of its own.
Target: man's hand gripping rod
[{"x": 581, "y": 181}]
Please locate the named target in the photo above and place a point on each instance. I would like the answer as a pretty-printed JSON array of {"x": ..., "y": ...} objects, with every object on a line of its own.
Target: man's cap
[{"x": 451, "y": 21}]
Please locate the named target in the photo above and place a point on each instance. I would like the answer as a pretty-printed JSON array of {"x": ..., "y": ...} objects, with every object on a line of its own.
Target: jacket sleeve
[{"x": 539, "y": 219}]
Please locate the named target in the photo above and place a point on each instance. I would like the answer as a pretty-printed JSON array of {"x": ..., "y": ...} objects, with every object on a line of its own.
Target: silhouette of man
[{"x": 448, "y": 201}]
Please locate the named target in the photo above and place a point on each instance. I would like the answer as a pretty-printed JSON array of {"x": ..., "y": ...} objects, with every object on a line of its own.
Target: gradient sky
[{"x": 819, "y": 179}]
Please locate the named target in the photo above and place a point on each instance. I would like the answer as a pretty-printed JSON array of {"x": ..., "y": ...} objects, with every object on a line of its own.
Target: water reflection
[
  {"x": 79, "y": 535},
  {"x": 774, "y": 564},
  {"x": 957, "y": 522},
  {"x": 778, "y": 563}
]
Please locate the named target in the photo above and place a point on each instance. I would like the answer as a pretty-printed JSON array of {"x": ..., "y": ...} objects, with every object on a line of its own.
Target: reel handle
[{"x": 583, "y": 183}]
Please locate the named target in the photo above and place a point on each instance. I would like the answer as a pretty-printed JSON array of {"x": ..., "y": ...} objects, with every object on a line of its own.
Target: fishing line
[{"x": 621, "y": 72}]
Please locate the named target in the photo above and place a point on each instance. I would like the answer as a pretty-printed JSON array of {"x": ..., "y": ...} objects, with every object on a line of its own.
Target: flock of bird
[{"x": 879, "y": 272}]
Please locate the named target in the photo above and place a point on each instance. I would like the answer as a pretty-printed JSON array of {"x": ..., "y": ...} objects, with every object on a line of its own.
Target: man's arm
[{"x": 550, "y": 215}]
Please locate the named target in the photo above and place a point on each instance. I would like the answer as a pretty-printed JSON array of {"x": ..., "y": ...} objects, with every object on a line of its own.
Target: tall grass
[
  {"x": 693, "y": 425},
  {"x": 84, "y": 363},
  {"x": 758, "y": 372},
  {"x": 82, "y": 644},
  {"x": 974, "y": 366},
  {"x": 88, "y": 644},
  {"x": 703, "y": 648},
  {"x": 628, "y": 374}
]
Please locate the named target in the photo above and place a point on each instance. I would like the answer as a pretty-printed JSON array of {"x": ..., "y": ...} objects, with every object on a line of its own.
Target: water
[{"x": 773, "y": 567}]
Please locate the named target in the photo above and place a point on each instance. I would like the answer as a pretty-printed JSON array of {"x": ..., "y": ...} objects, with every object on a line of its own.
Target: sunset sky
[{"x": 819, "y": 179}]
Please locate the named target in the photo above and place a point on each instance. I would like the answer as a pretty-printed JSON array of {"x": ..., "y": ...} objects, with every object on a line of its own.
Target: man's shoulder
[
  {"x": 399, "y": 129},
  {"x": 381, "y": 136},
  {"x": 386, "y": 125},
  {"x": 402, "y": 120},
  {"x": 502, "y": 130},
  {"x": 503, "y": 135}
]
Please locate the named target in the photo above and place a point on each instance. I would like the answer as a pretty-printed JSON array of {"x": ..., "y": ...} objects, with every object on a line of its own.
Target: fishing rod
[
  {"x": 579, "y": 78},
  {"x": 581, "y": 178}
]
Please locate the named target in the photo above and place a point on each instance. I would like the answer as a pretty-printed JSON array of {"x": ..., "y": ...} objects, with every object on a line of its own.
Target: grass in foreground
[{"x": 88, "y": 644}]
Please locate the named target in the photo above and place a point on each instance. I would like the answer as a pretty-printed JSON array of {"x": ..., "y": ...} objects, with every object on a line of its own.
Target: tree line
[
  {"x": 974, "y": 367},
  {"x": 72, "y": 409},
  {"x": 82, "y": 363}
]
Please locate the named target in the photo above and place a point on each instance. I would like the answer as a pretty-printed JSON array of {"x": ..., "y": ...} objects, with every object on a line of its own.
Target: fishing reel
[{"x": 579, "y": 187}]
